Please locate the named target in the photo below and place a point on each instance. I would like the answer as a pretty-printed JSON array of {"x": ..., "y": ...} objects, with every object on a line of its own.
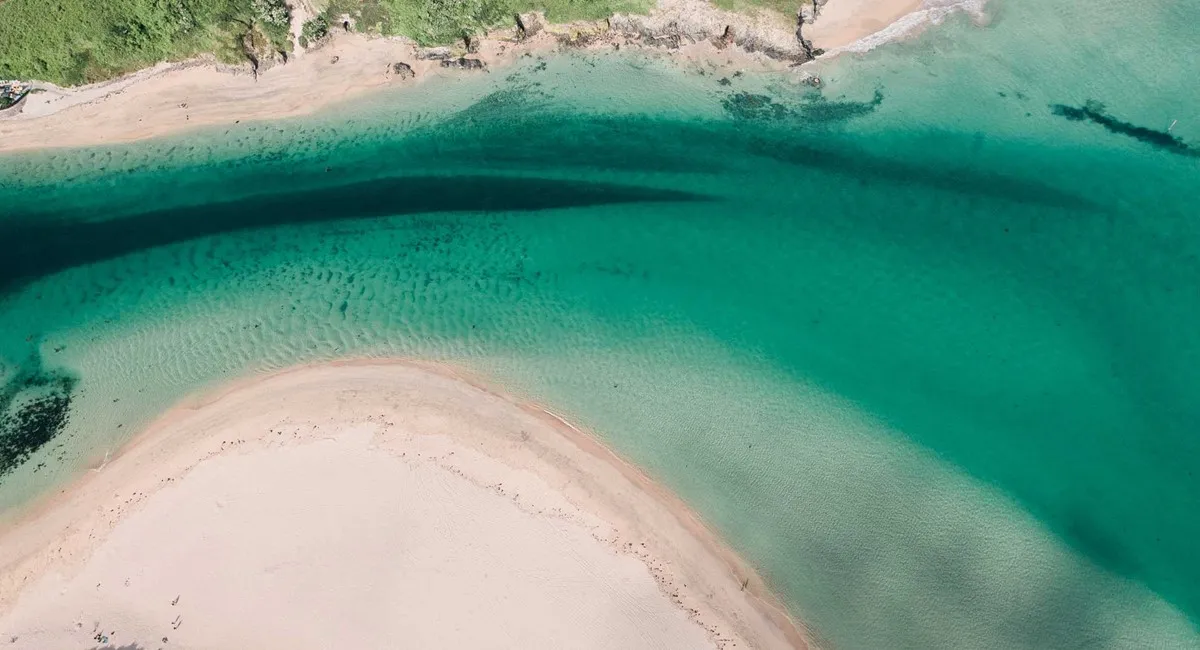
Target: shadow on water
[
  {"x": 866, "y": 168},
  {"x": 676, "y": 146},
  {"x": 51, "y": 243}
]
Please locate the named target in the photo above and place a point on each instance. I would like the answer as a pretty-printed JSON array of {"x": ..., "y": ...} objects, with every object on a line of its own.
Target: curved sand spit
[{"x": 370, "y": 505}]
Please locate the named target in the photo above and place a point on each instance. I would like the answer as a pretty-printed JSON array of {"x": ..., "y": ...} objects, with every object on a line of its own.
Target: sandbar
[{"x": 373, "y": 503}]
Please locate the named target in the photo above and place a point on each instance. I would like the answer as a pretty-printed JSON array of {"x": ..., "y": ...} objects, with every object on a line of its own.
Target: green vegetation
[
  {"x": 314, "y": 30},
  {"x": 438, "y": 22},
  {"x": 71, "y": 42},
  {"x": 787, "y": 8},
  {"x": 81, "y": 41}
]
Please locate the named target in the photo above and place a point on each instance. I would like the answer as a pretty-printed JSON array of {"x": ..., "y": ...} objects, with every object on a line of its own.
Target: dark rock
[
  {"x": 463, "y": 63},
  {"x": 727, "y": 38},
  {"x": 403, "y": 70},
  {"x": 529, "y": 24},
  {"x": 472, "y": 43},
  {"x": 580, "y": 38},
  {"x": 805, "y": 44},
  {"x": 259, "y": 50},
  {"x": 434, "y": 54}
]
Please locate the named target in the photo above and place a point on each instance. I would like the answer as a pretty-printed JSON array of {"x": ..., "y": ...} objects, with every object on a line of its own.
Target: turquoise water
[{"x": 921, "y": 346}]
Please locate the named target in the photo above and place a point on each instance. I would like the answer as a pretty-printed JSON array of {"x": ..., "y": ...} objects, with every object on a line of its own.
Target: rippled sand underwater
[{"x": 920, "y": 345}]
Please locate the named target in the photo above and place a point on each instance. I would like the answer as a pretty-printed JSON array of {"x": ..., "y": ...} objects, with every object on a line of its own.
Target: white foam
[{"x": 932, "y": 12}]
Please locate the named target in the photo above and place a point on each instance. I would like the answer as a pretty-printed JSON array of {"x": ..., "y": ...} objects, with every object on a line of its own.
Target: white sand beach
[
  {"x": 373, "y": 504},
  {"x": 842, "y": 22}
]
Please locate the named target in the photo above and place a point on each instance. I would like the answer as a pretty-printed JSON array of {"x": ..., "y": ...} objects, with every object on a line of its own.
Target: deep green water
[{"x": 921, "y": 346}]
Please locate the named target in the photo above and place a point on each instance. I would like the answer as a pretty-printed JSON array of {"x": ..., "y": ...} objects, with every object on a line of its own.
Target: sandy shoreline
[
  {"x": 171, "y": 98},
  {"x": 619, "y": 537}
]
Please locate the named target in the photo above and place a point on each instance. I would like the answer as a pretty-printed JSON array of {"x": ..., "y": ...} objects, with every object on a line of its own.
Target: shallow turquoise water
[{"x": 928, "y": 360}]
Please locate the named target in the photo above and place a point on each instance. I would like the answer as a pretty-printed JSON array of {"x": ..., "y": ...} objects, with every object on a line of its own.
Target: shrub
[
  {"x": 272, "y": 13},
  {"x": 315, "y": 29}
]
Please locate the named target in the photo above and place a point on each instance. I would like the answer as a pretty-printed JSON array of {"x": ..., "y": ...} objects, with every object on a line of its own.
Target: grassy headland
[
  {"x": 71, "y": 42},
  {"x": 437, "y": 22}
]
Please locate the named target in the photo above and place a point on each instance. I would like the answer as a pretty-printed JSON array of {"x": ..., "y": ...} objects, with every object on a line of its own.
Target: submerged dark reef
[
  {"x": 1094, "y": 112},
  {"x": 34, "y": 408},
  {"x": 815, "y": 111}
]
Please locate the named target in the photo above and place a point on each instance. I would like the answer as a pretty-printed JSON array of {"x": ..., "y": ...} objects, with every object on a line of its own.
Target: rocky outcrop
[
  {"x": 728, "y": 37},
  {"x": 12, "y": 109},
  {"x": 676, "y": 24},
  {"x": 583, "y": 35},
  {"x": 260, "y": 51},
  {"x": 434, "y": 54},
  {"x": 809, "y": 10},
  {"x": 529, "y": 24},
  {"x": 807, "y": 15},
  {"x": 402, "y": 71},
  {"x": 464, "y": 63}
]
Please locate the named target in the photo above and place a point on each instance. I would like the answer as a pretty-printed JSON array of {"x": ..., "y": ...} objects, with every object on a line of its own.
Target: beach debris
[{"x": 334, "y": 60}]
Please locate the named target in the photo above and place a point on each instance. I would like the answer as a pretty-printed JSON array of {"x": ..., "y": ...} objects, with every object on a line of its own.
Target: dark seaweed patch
[
  {"x": 823, "y": 110},
  {"x": 34, "y": 409},
  {"x": 748, "y": 106},
  {"x": 1094, "y": 112}
]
